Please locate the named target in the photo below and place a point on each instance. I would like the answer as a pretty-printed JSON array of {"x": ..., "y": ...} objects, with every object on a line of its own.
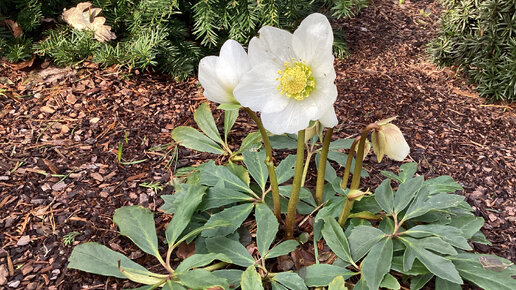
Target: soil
[{"x": 61, "y": 130}]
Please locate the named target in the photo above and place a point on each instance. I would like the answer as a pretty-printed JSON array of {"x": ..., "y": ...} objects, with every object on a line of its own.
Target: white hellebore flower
[
  {"x": 219, "y": 75},
  {"x": 291, "y": 81},
  {"x": 389, "y": 141}
]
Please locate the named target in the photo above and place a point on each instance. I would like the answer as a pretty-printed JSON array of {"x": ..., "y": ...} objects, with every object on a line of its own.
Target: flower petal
[
  {"x": 273, "y": 44},
  {"x": 378, "y": 140},
  {"x": 329, "y": 119},
  {"x": 258, "y": 90},
  {"x": 290, "y": 120},
  {"x": 208, "y": 77},
  {"x": 313, "y": 41},
  {"x": 233, "y": 63},
  {"x": 396, "y": 148}
]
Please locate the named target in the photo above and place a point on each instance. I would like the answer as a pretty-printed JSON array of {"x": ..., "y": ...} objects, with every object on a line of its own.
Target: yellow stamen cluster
[{"x": 296, "y": 80}]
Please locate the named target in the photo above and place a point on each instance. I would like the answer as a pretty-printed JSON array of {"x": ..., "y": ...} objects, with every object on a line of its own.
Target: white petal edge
[
  {"x": 290, "y": 120},
  {"x": 213, "y": 89},
  {"x": 272, "y": 44},
  {"x": 233, "y": 63},
  {"x": 329, "y": 119}
]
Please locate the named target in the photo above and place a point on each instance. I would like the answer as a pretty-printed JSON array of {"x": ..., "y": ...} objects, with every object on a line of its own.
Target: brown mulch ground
[{"x": 60, "y": 132}]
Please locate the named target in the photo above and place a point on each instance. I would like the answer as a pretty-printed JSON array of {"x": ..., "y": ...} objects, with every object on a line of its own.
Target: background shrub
[
  {"x": 170, "y": 35},
  {"x": 480, "y": 38}
]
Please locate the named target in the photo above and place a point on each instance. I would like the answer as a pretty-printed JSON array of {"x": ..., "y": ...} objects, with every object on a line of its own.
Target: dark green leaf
[
  {"x": 290, "y": 280},
  {"x": 436, "y": 202},
  {"x": 206, "y": 123},
  {"x": 377, "y": 263},
  {"x": 389, "y": 282},
  {"x": 322, "y": 274},
  {"x": 184, "y": 212},
  {"x": 193, "y": 139},
  {"x": 235, "y": 215},
  {"x": 251, "y": 280},
  {"x": 420, "y": 281},
  {"x": 450, "y": 234},
  {"x": 231, "y": 275},
  {"x": 197, "y": 231},
  {"x": 442, "y": 284},
  {"x": 362, "y": 239},
  {"x": 283, "y": 248},
  {"x": 283, "y": 142},
  {"x": 406, "y": 192},
  {"x": 469, "y": 225},
  {"x": 385, "y": 196},
  {"x": 233, "y": 249},
  {"x": 230, "y": 117},
  {"x": 201, "y": 279},
  {"x": 99, "y": 259},
  {"x": 341, "y": 144},
  {"x": 137, "y": 223},
  {"x": 220, "y": 196},
  {"x": 212, "y": 174},
  {"x": 438, "y": 265},
  {"x": 255, "y": 163},
  {"x": 266, "y": 227},
  {"x": 407, "y": 170},
  {"x": 250, "y": 140},
  {"x": 442, "y": 184},
  {"x": 417, "y": 268},
  {"x": 336, "y": 239},
  {"x": 285, "y": 169},
  {"x": 391, "y": 175},
  {"x": 200, "y": 260}
]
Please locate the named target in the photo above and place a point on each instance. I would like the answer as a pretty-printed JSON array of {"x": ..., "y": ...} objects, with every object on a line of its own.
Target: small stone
[
  {"x": 26, "y": 269},
  {"x": 94, "y": 120},
  {"x": 59, "y": 186},
  {"x": 14, "y": 284},
  {"x": 31, "y": 286},
  {"x": 55, "y": 273},
  {"x": 4, "y": 178},
  {"x": 3, "y": 274},
  {"x": 104, "y": 194},
  {"x": 46, "y": 109},
  {"x": 24, "y": 240},
  {"x": 492, "y": 217},
  {"x": 97, "y": 176},
  {"x": 144, "y": 198}
]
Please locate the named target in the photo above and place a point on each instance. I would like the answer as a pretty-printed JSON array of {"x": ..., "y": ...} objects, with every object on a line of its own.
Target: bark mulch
[{"x": 61, "y": 130}]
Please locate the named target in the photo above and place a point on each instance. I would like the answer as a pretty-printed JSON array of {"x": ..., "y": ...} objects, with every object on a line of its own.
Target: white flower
[
  {"x": 219, "y": 75},
  {"x": 292, "y": 77},
  {"x": 389, "y": 140}
]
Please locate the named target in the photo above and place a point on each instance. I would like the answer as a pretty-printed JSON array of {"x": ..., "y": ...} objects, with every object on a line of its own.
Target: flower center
[{"x": 296, "y": 80}]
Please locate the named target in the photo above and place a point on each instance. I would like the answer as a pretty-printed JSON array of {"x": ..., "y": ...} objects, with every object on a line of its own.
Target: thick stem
[
  {"x": 321, "y": 171},
  {"x": 345, "y": 177},
  {"x": 355, "y": 182},
  {"x": 269, "y": 163},
  {"x": 216, "y": 266},
  {"x": 345, "y": 211},
  {"x": 296, "y": 186}
]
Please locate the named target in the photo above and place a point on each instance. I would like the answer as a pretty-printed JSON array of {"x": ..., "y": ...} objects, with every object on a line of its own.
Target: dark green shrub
[
  {"x": 480, "y": 38},
  {"x": 170, "y": 35}
]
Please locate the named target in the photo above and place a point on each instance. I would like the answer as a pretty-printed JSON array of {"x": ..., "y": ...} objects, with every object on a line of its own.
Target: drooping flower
[
  {"x": 291, "y": 81},
  {"x": 219, "y": 75},
  {"x": 389, "y": 140}
]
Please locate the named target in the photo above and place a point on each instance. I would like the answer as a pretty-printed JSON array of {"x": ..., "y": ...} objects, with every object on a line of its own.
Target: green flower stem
[
  {"x": 268, "y": 162},
  {"x": 355, "y": 182},
  {"x": 216, "y": 266},
  {"x": 296, "y": 186},
  {"x": 305, "y": 169},
  {"x": 321, "y": 171},
  {"x": 345, "y": 177}
]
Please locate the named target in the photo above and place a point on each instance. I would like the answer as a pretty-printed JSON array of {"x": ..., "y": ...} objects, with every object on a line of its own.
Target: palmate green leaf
[
  {"x": 281, "y": 249},
  {"x": 230, "y": 117},
  {"x": 377, "y": 263},
  {"x": 266, "y": 227},
  {"x": 199, "y": 230},
  {"x": 341, "y": 144},
  {"x": 469, "y": 225},
  {"x": 362, "y": 239},
  {"x": 212, "y": 174},
  {"x": 193, "y": 139},
  {"x": 417, "y": 267},
  {"x": 339, "y": 283},
  {"x": 406, "y": 191},
  {"x": 407, "y": 170},
  {"x": 420, "y": 281},
  {"x": 409, "y": 257},
  {"x": 384, "y": 196},
  {"x": 99, "y": 259},
  {"x": 204, "y": 119},
  {"x": 239, "y": 171},
  {"x": 391, "y": 175},
  {"x": 438, "y": 265},
  {"x": 290, "y": 280},
  {"x": 336, "y": 239},
  {"x": 233, "y": 276},
  {"x": 389, "y": 282},
  {"x": 285, "y": 169},
  {"x": 255, "y": 163},
  {"x": 220, "y": 196},
  {"x": 251, "y": 280},
  {"x": 200, "y": 260},
  {"x": 283, "y": 141},
  {"x": 472, "y": 270},
  {"x": 318, "y": 275},
  {"x": 277, "y": 286},
  {"x": 421, "y": 205},
  {"x": 137, "y": 223},
  {"x": 233, "y": 249},
  {"x": 235, "y": 215},
  {"x": 171, "y": 285},
  {"x": 341, "y": 159},
  {"x": 250, "y": 140},
  {"x": 450, "y": 234},
  {"x": 184, "y": 212},
  {"x": 435, "y": 244},
  {"x": 442, "y": 284},
  {"x": 442, "y": 184},
  {"x": 201, "y": 279},
  {"x": 361, "y": 285}
]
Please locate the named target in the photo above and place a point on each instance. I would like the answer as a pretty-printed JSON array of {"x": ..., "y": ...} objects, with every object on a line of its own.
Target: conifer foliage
[
  {"x": 480, "y": 38},
  {"x": 169, "y": 35}
]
